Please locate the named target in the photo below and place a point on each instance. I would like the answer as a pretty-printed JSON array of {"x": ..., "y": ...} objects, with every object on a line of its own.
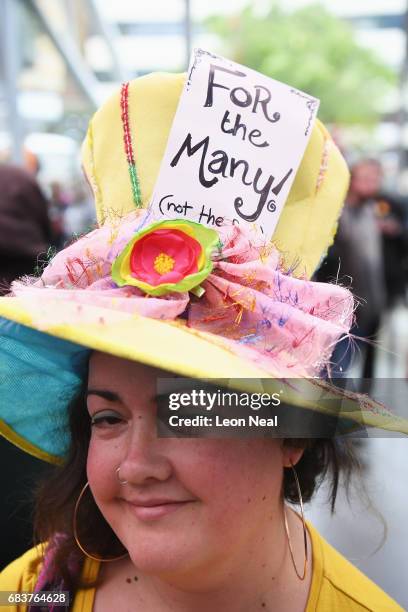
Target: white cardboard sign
[{"x": 236, "y": 142}]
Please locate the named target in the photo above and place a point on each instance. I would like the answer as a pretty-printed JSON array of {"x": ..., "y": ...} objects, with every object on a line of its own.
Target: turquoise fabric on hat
[{"x": 39, "y": 374}]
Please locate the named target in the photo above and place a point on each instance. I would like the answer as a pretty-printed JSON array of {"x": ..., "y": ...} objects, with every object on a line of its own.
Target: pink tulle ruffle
[{"x": 287, "y": 325}]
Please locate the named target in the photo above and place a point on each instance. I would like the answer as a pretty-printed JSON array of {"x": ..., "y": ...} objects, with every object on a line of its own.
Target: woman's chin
[
  {"x": 159, "y": 563},
  {"x": 164, "y": 556}
]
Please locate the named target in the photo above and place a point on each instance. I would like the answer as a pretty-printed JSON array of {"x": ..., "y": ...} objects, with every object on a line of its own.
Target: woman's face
[{"x": 187, "y": 502}]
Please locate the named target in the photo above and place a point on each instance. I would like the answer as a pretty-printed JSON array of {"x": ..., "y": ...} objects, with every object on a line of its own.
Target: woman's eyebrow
[{"x": 111, "y": 396}]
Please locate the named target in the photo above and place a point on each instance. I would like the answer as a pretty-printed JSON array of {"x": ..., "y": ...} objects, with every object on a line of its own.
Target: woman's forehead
[{"x": 111, "y": 371}]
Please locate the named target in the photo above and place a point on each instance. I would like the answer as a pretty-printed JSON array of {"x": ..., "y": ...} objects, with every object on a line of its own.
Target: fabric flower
[{"x": 166, "y": 256}]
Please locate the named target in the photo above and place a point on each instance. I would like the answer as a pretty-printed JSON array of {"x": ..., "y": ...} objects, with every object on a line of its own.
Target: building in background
[{"x": 61, "y": 58}]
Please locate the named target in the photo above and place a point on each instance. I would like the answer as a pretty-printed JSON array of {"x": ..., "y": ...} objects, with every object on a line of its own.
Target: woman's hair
[{"x": 57, "y": 495}]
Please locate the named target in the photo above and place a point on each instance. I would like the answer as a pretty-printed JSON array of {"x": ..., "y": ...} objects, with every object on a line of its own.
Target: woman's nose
[{"x": 144, "y": 459}]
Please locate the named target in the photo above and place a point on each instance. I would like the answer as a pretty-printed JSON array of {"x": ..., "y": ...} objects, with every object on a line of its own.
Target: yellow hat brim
[{"x": 199, "y": 355}]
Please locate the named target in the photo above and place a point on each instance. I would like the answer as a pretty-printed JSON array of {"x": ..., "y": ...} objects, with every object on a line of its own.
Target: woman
[
  {"x": 201, "y": 522},
  {"x": 187, "y": 524}
]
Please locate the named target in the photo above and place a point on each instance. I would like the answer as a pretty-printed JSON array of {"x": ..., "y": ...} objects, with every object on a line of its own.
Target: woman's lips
[{"x": 155, "y": 511}]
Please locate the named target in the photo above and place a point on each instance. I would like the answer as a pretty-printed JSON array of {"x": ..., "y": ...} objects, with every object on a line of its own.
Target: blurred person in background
[
  {"x": 25, "y": 236},
  {"x": 391, "y": 211},
  {"x": 25, "y": 228},
  {"x": 392, "y": 218},
  {"x": 31, "y": 162},
  {"x": 357, "y": 259}
]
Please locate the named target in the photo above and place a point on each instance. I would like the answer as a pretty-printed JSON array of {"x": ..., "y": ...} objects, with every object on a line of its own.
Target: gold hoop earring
[
  {"x": 74, "y": 524},
  {"x": 303, "y": 576}
]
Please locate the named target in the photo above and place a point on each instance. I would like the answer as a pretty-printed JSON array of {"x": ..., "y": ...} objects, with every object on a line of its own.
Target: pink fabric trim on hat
[{"x": 285, "y": 324}]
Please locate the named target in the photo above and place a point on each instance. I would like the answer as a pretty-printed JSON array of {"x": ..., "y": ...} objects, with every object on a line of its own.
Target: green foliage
[{"x": 314, "y": 51}]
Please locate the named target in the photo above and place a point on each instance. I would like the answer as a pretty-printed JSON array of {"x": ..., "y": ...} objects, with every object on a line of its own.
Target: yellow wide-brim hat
[{"x": 45, "y": 339}]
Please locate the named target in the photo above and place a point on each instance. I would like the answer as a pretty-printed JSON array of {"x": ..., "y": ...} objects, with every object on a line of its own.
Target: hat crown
[{"x": 309, "y": 218}]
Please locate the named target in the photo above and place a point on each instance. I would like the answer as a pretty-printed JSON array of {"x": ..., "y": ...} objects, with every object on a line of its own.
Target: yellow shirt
[{"x": 337, "y": 586}]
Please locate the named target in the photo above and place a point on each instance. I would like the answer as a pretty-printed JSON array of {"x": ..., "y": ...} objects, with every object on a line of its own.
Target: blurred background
[{"x": 60, "y": 59}]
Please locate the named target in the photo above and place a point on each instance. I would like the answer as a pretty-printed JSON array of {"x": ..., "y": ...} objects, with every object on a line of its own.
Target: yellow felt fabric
[
  {"x": 309, "y": 218},
  {"x": 25, "y": 445},
  {"x": 308, "y": 222},
  {"x": 153, "y": 102},
  {"x": 149, "y": 341}
]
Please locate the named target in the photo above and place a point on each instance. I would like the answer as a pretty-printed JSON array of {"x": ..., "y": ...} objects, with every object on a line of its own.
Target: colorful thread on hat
[
  {"x": 324, "y": 163},
  {"x": 276, "y": 321},
  {"x": 127, "y": 138}
]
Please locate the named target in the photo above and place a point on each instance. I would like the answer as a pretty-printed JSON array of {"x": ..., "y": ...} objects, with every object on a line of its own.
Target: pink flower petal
[
  {"x": 181, "y": 247},
  {"x": 171, "y": 277}
]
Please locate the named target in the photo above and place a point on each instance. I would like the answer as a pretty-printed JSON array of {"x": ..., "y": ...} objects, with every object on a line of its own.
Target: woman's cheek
[
  {"x": 229, "y": 471},
  {"x": 101, "y": 469}
]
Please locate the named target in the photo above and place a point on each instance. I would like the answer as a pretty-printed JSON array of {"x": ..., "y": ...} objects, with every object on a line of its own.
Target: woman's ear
[{"x": 291, "y": 455}]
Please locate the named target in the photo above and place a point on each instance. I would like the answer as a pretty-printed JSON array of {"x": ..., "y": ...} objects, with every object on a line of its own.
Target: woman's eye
[{"x": 106, "y": 418}]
